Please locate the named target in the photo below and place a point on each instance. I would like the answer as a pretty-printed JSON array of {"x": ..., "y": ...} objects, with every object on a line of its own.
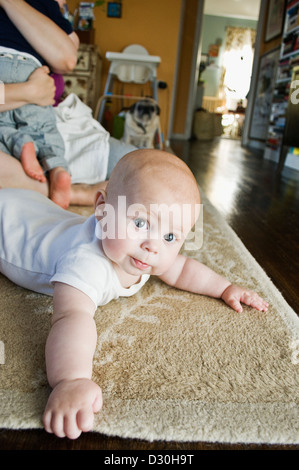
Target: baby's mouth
[{"x": 139, "y": 264}]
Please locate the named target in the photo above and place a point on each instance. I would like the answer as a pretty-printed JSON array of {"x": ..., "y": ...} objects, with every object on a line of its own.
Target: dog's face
[
  {"x": 142, "y": 123},
  {"x": 143, "y": 111}
]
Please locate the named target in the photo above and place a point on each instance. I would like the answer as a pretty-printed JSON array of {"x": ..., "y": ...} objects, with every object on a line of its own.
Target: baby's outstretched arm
[
  {"x": 69, "y": 353},
  {"x": 193, "y": 276}
]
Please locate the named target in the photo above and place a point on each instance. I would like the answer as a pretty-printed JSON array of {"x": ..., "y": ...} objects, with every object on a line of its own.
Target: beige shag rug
[{"x": 172, "y": 365}]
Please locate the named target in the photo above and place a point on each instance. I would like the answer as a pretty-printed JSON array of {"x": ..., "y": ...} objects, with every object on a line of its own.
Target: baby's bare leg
[
  {"x": 60, "y": 187},
  {"x": 30, "y": 163}
]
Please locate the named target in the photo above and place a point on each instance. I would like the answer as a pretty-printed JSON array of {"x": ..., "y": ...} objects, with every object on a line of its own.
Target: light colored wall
[{"x": 214, "y": 28}]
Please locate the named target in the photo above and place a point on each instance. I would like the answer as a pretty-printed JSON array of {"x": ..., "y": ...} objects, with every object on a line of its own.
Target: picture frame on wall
[
  {"x": 263, "y": 95},
  {"x": 275, "y": 19}
]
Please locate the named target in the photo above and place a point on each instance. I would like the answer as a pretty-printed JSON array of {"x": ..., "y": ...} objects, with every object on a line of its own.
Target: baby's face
[
  {"x": 151, "y": 204},
  {"x": 143, "y": 236}
]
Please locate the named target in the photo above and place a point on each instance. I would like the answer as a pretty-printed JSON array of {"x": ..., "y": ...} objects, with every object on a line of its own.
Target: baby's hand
[
  {"x": 71, "y": 407},
  {"x": 234, "y": 295}
]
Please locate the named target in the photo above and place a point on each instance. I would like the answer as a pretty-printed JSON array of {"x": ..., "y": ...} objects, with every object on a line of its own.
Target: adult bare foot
[
  {"x": 60, "y": 187},
  {"x": 85, "y": 194},
  {"x": 30, "y": 163}
]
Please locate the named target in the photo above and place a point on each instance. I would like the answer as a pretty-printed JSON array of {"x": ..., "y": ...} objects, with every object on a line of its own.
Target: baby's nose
[{"x": 150, "y": 245}]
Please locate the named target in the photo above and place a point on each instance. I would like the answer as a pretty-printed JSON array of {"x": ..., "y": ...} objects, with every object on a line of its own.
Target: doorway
[
  {"x": 209, "y": 39},
  {"x": 227, "y": 51}
]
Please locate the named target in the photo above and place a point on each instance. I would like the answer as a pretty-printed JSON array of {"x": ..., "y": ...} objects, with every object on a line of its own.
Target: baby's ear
[{"x": 100, "y": 204}]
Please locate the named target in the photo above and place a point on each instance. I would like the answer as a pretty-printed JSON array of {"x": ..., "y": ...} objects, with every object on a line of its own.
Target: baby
[{"x": 138, "y": 229}]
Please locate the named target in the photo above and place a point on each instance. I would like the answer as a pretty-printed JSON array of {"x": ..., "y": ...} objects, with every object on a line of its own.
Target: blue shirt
[{"x": 12, "y": 38}]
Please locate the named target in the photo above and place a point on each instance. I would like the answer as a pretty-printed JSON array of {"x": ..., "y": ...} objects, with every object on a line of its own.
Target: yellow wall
[{"x": 153, "y": 24}]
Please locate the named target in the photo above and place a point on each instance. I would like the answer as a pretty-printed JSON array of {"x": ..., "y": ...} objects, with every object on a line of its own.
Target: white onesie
[{"x": 42, "y": 243}]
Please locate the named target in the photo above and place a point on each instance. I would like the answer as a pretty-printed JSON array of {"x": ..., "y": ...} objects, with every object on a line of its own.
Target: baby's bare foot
[
  {"x": 30, "y": 163},
  {"x": 60, "y": 187}
]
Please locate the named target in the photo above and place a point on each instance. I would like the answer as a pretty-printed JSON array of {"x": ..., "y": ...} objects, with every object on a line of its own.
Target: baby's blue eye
[
  {"x": 141, "y": 223},
  {"x": 170, "y": 237}
]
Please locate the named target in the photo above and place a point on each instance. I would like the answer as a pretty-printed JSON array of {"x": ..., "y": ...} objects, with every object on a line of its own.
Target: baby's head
[
  {"x": 149, "y": 207},
  {"x": 151, "y": 176}
]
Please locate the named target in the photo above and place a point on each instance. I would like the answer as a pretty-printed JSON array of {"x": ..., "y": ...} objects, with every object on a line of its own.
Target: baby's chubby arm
[
  {"x": 69, "y": 352},
  {"x": 193, "y": 276}
]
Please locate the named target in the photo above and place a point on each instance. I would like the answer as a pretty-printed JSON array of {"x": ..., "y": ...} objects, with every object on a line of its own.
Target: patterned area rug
[{"x": 172, "y": 365}]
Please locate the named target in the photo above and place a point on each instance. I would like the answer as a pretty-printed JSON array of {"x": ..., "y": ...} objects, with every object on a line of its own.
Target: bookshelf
[{"x": 289, "y": 59}]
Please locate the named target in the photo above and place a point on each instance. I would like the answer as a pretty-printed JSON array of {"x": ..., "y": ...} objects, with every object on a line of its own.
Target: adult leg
[
  {"x": 117, "y": 150},
  {"x": 12, "y": 175},
  {"x": 84, "y": 194}
]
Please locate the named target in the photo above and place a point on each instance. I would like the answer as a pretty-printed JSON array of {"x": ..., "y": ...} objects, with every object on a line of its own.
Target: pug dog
[{"x": 141, "y": 124}]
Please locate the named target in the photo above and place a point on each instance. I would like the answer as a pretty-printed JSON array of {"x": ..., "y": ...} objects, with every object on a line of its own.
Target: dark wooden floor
[
  {"x": 264, "y": 212},
  {"x": 262, "y": 208}
]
